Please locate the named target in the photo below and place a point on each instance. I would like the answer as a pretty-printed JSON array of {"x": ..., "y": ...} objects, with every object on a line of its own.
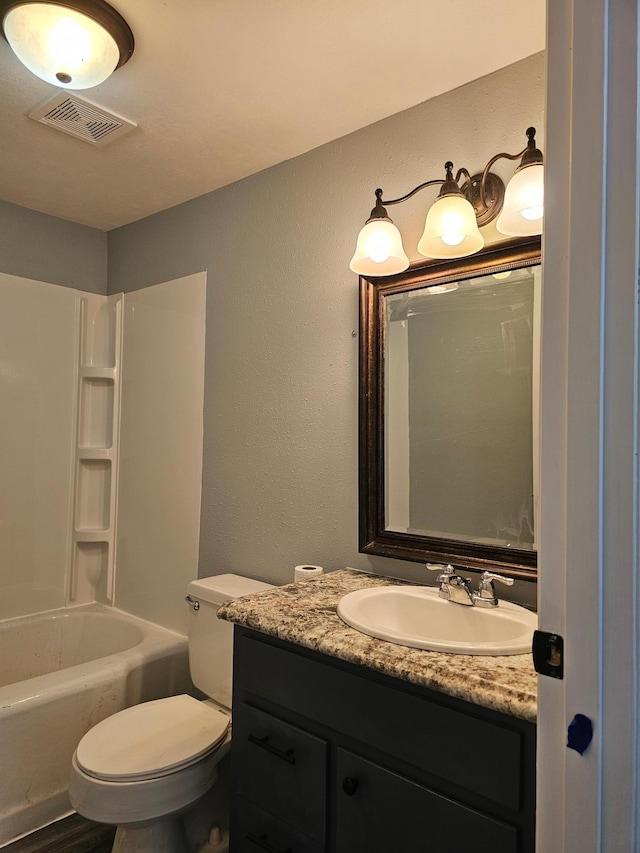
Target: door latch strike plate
[{"x": 548, "y": 654}]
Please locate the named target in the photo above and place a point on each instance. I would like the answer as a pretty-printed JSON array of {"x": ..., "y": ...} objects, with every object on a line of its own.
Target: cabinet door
[
  {"x": 282, "y": 769},
  {"x": 381, "y": 812},
  {"x": 257, "y": 831}
]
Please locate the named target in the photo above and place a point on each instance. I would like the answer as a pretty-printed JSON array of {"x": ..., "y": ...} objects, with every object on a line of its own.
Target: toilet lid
[{"x": 152, "y": 739}]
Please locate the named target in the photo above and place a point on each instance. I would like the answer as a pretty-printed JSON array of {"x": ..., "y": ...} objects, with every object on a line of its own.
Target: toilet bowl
[{"x": 143, "y": 767}]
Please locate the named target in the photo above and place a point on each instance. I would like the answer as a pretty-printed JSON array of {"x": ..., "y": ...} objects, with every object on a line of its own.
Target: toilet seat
[{"x": 152, "y": 740}]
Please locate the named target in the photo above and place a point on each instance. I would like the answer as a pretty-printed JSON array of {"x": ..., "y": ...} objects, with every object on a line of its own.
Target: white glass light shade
[
  {"x": 521, "y": 214},
  {"x": 451, "y": 230},
  {"x": 379, "y": 250},
  {"x": 60, "y": 45}
]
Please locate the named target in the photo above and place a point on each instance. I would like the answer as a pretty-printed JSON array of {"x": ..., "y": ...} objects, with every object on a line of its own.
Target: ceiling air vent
[{"x": 82, "y": 119}]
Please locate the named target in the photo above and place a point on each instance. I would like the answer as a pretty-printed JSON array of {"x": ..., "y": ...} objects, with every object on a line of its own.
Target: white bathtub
[{"x": 60, "y": 673}]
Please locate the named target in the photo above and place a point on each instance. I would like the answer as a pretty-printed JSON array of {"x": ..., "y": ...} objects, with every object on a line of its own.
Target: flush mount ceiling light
[
  {"x": 452, "y": 226},
  {"x": 75, "y": 44}
]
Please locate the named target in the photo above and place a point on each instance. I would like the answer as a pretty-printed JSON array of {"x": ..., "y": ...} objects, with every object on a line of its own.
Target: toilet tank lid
[{"x": 221, "y": 588}]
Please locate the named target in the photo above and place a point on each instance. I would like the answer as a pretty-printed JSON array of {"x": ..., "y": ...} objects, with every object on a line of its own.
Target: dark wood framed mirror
[{"x": 449, "y": 409}]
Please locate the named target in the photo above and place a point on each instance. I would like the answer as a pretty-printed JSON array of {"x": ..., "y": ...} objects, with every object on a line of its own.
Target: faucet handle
[
  {"x": 446, "y": 572},
  {"x": 488, "y": 577},
  {"x": 486, "y": 595}
]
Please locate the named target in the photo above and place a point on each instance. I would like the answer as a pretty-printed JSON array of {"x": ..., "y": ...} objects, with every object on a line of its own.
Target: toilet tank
[{"x": 210, "y": 638}]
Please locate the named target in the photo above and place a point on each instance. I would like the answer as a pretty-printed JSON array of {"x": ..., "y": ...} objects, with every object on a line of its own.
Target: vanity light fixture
[
  {"x": 74, "y": 44},
  {"x": 452, "y": 226}
]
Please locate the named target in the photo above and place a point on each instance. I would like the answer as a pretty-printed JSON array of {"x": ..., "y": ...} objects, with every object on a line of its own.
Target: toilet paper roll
[{"x": 305, "y": 573}]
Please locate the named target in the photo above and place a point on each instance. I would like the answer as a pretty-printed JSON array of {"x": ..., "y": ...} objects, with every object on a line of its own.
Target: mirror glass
[{"x": 449, "y": 411}]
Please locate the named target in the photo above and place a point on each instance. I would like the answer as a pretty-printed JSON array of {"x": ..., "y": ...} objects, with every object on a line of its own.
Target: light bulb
[
  {"x": 452, "y": 239},
  {"x": 68, "y": 44},
  {"x": 532, "y": 213},
  {"x": 379, "y": 247},
  {"x": 452, "y": 225},
  {"x": 531, "y": 199}
]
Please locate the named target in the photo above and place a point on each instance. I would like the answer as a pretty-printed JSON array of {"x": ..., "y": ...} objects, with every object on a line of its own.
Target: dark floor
[{"x": 73, "y": 834}]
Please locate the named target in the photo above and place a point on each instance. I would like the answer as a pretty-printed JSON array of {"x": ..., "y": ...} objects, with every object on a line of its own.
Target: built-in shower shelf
[
  {"x": 92, "y": 576},
  {"x": 98, "y": 373},
  {"x": 86, "y": 535},
  {"x": 95, "y": 453},
  {"x": 97, "y": 407}
]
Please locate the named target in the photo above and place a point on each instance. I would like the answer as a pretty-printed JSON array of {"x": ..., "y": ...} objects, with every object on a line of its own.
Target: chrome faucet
[{"x": 455, "y": 588}]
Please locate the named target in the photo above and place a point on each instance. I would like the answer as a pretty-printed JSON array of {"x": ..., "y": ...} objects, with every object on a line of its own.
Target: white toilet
[{"x": 140, "y": 768}]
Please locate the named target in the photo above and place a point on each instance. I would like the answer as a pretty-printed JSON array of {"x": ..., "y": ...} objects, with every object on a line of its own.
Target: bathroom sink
[{"x": 415, "y": 616}]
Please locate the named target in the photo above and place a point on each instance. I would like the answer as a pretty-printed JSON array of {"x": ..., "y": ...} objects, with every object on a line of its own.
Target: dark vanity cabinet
[{"x": 328, "y": 756}]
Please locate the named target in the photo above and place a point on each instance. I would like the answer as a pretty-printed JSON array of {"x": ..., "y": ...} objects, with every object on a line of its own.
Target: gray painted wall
[
  {"x": 35, "y": 245},
  {"x": 280, "y": 481}
]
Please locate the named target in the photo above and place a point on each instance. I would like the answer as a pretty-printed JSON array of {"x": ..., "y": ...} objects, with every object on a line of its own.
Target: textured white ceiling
[{"x": 222, "y": 89}]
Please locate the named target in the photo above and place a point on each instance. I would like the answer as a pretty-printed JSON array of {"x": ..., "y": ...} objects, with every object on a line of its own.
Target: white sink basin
[{"x": 415, "y": 616}]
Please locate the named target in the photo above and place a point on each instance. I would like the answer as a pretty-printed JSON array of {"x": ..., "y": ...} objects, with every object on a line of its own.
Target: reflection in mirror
[
  {"x": 449, "y": 411},
  {"x": 458, "y": 410}
]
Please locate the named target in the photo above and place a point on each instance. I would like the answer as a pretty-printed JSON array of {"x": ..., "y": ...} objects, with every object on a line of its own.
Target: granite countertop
[{"x": 306, "y": 614}]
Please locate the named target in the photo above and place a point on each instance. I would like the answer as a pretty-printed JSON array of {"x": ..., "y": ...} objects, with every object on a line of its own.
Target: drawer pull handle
[
  {"x": 261, "y": 841},
  {"x": 263, "y": 742},
  {"x": 349, "y": 786}
]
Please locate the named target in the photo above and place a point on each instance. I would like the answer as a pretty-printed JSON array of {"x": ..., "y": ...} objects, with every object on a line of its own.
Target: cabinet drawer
[
  {"x": 464, "y": 749},
  {"x": 380, "y": 810},
  {"x": 259, "y": 832},
  {"x": 281, "y": 768}
]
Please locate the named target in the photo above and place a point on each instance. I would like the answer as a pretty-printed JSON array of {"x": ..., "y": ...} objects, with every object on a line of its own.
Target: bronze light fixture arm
[
  {"x": 485, "y": 195},
  {"x": 487, "y": 169},
  {"x": 530, "y": 154},
  {"x": 468, "y": 179},
  {"x": 433, "y": 183},
  {"x": 377, "y": 213}
]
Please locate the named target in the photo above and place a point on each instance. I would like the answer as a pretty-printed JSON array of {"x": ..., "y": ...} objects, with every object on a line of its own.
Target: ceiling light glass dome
[{"x": 63, "y": 45}]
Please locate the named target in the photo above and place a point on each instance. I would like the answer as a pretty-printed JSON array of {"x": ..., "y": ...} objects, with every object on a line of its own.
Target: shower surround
[{"x": 101, "y": 402}]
